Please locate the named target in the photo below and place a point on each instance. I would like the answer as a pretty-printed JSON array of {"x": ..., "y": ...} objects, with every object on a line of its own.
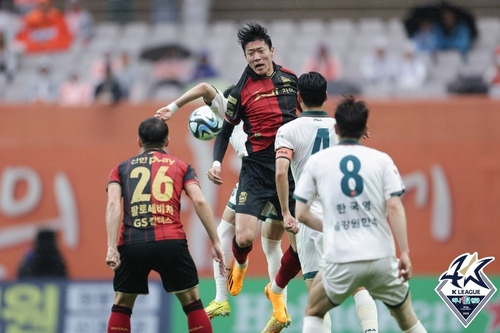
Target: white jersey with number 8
[{"x": 353, "y": 182}]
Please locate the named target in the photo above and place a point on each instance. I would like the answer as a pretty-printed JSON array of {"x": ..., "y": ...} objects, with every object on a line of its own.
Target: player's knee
[
  {"x": 244, "y": 239},
  {"x": 405, "y": 315}
]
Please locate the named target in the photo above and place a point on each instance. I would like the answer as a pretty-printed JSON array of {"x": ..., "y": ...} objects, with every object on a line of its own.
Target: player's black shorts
[
  {"x": 257, "y": 184},
  {"x": 170, "y": 258}
]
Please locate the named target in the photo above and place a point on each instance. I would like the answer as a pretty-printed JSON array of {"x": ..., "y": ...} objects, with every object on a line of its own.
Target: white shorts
[
  {"x": 379, "y": 277},
  {"x": 310, "y": 250},
  {"x": 268, "y": 213}
]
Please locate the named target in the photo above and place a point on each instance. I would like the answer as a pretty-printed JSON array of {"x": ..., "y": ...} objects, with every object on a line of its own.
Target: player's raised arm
[{"x": 203, "y": 90}]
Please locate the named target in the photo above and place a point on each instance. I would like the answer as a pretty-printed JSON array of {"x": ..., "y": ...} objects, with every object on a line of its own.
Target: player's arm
[
  {"x": 204, "y": 90},
  {"x": 206, "y": 215},
  {"x": 304, "y": 215},
  {"x": 397, "y": 219},
  {"x": 283, "y": 158},
  {"x": 220, "y": 148},
  {"x": 113, "y": 214}
]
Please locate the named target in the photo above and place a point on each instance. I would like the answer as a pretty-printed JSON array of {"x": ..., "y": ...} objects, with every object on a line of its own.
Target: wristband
[
  {"x": 216, "y": 164},
  {"x": 173, "y": 107}
]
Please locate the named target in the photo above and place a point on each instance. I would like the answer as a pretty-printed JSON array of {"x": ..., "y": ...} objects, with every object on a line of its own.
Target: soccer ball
[{"x": 204, "y": 124}]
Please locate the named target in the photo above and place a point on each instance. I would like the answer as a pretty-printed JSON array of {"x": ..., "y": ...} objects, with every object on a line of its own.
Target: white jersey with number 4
[
  {"x": 238, "y": 137},
  {"x": 311, "y": 132},
  {"x": 353, "y": 182}
]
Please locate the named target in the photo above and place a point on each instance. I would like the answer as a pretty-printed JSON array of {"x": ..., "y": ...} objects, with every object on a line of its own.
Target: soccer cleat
[
  {"x": 278, "y": 302},
  {"x": 215, "y": 309},
  {"x": 274, "y": 326},
  {"x": 235, "y": 279}
]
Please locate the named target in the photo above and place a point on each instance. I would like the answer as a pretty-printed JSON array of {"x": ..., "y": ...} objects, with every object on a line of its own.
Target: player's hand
[
  {"x": 214, "y": 175},
  {"x": 405, "y": 267},
  {"x": 113, "y": 258},
  {"x": 164, "y": 113},
  {"x": 290, "y": 224},
  {"x": 218, "y": 256}
]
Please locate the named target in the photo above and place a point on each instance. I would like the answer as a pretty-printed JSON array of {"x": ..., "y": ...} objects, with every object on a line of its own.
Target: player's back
[
  {"x": 354, "y": 182},
  {"x": 152, "y": 183},
  {"x": 311, "y": 132}
]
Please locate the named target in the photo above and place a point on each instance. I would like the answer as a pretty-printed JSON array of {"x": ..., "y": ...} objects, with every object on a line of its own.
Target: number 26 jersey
[{"x": 152, "y": 184}]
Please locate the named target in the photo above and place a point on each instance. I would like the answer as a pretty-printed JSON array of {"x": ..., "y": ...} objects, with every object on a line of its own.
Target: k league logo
[{"x": 465, "y": 288}]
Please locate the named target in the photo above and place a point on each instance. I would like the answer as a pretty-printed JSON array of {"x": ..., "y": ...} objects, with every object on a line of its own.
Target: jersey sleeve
[
  {"x": 393, "y": 182},
  {"x": 219, "y": 104},
  {"x": 305, "y": 188},
  {"x": 190, "y": 176},
  {"x": 283, "y": 138},
  {"x": 114, "y": 177}
]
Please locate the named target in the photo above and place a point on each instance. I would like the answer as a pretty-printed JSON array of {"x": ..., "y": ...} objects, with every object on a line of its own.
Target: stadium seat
[
  {"x": 107, "y": 30},
  {"x": 344, "y": 26},
  {"x": 371, "y": 25},
  {"x": 135, "y": 31},
  {"x": 311, "y": 27}
]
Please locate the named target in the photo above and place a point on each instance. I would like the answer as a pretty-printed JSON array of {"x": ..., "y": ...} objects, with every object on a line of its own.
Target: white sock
[
  {"x": 327, "y": 323},
  {"x": 417, "y": 328},
  {"x": 275, "y": 288},
  {"x": 366, "y": 310},
  {"x": 312, "y": 324},
  {"x": 274, "y": 252},
  {"x": 225, "y": 230}
]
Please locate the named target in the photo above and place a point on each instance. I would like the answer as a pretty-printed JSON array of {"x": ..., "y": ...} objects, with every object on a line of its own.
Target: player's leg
[
  {"x": 255, "y": 188},
  {"x": 130, "y": 279},
  {"x": 327, "y": 320},
  {"x": 406, "y": 318},
  {"x": 173, "y": 262},
  {"x": 366, "y": 309},
  {"x": 193, "y": 308},
  {"x": 220, "y": 305},
  {"x": 310, "y": 250},
  {"x": 271, "y": 234},
  {"x": 317, "y": 306},
  {"x": 394, "y": 293},
  {"x": 245, "y": 233},
  {"x": 121, "y": 311},
  {"x": 289, "y": 268}
]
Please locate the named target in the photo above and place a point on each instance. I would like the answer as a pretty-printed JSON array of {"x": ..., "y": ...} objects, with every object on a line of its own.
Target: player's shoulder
[
  {"x": 291, "y": 125},
  {"x": 286, "y": 70}
]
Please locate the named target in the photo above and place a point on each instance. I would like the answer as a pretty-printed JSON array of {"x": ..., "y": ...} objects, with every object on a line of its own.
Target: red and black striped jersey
[
  {"x": 263, "y": 104},
  {"x": 152, "y": 184}
]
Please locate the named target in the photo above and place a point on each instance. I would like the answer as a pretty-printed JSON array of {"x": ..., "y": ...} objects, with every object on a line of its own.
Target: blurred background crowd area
[{"x": 78, "y": 52}]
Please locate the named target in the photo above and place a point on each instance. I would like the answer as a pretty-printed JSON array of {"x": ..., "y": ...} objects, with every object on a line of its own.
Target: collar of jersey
[
  {"x": 254, "y": 75},
  {"x": 153, "y": 149},
  {"x": 314, "y": 113},
  {"x": 349, "y": 142}
]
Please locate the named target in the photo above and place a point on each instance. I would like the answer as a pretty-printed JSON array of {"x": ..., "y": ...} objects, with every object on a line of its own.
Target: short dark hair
[
  {"x": 312, "y": 88},
  {"x": 251, "y": 32},
  {"x": 228, "y": 91},
  {"x": 351, "y": 117},
  {"x": 153, "y": 133}
]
